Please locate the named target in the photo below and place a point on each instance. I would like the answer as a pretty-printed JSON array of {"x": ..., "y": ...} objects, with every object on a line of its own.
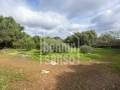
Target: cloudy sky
[{"x": 63, "y": 17}]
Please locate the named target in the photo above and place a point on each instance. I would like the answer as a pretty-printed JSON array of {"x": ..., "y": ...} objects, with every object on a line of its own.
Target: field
[
  {"x": 59, "y": 45},
  {"x": 98, "y": 70}
]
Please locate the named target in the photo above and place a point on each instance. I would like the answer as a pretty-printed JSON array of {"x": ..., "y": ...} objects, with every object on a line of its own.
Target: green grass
[
  {"x": 9, "y": 75},
  {"x": 106, "y": 55},
  {"x": 98, "y": 54},
  {"x": 34, "y": 54}
]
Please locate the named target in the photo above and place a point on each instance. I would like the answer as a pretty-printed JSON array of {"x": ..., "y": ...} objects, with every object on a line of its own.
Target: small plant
[{"x": 85, "y": 49}]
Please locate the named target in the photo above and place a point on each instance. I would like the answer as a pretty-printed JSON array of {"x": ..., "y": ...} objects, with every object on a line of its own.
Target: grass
[
  {"x": 34, "y": 54},
  {"x": 96, "y": 54},
  {"x": 99, "y": 54},
  {"x": 9, "y": 75},
  {"x": 106, "y": 55}
]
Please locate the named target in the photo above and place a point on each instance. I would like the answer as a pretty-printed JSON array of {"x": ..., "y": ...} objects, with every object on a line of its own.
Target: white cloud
[
  {"x": 108, "y": 20},
  {"x": 47, "y": 20},
  {"x": 76, "y": 7},
  {"x": 37, "y": 21},
  {"x": 55, "y": 17}
]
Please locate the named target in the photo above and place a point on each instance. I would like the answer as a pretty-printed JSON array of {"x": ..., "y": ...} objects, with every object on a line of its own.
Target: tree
[
  {"x": 10, "y": 31},
  {"x": 109, "y": 39},
  {"x": 37, "y": 40},
  {"x": 26, "y": 43},
  {"x": 52, "y": 45},
  {"x": 85, "y": 38}
]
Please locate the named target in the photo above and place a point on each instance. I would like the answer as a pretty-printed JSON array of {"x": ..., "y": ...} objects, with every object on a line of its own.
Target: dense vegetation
[
  {"x": 90, "y": 38},
  {"x": 83, "y": 38},
  {"x": 13, "y": 36}
]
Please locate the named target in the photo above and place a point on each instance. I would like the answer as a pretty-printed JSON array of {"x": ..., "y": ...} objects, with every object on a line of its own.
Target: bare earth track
[{"x": 83, "y": 76}]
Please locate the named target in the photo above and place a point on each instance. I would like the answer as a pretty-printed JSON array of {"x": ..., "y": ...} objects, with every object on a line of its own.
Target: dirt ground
[{"x": 83, "y": 76}]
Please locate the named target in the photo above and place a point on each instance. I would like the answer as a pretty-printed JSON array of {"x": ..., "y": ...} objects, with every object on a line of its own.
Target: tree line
[
  {"x": 90, "y": 38},
  {"x": 12, "y": 35}
]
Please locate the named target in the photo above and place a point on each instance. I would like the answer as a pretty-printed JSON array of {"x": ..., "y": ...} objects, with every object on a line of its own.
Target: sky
[{"x": 63, "y": 17}]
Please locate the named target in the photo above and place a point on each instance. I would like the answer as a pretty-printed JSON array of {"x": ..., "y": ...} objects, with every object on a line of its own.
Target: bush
[
  {"x": 85, "y": 49},
  {"x": 45, "y": 48},
  {"x": 53, "y": 45},
  {"x": 24, "y": 43},
  {"x": 37, "y": 41},
  {"x": 60, "y": 48}
]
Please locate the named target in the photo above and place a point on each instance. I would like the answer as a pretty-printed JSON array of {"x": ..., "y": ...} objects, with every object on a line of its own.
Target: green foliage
[
  {"x": 57, "y": 38},
  {"x": 85, "y": 49},
  {"x": 25, "y": 43},
  {"x": 53, "y": 45},
  {"x": 72, "y": 39},
  {"x": 45, "y": 48},
  {"x": 37, "y": 41},
  {"x": 60, "y": 48},
  {"x": 83, "y": 38},
  {"x": 109, "y": 39},
  {"x": 88, "y": 37},
  {"x": 10, "y": 31},
  {"x": 12, "y": 36}
]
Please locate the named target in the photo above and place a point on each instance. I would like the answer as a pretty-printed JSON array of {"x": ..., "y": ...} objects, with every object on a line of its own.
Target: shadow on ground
[{"x": 88, "y": 77}]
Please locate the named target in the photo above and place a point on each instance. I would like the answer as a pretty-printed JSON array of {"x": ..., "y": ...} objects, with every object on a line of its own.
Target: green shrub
[
  {"x": 37, "y": 41},
  {"x": 60, "y": 48},
  {"x": 24, "y": 43},
  {"x": 53, "y": 45},
  {"x": 85, "y": 49},
  {"x": 45, "y": 48}
]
